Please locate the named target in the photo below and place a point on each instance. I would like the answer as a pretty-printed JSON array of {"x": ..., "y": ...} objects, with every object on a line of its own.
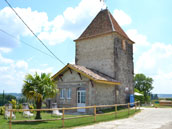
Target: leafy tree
[
  {"x": 144, "y": 85},
  {"x": 139, "y": 98},
  {"x": 22, "y": 99},
  {"x": 38, "y": 88},
  {"x": 154, "y": 97},
  {"x": 5, "y": 98}
]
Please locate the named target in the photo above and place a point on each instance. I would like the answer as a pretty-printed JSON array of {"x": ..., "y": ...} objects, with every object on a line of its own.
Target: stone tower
[{"x": 105, "y": 47}]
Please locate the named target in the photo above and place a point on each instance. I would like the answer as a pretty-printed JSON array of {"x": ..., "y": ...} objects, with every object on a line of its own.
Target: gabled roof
[
  {"x": 91, "y": 74},
  {"x": 103, "y": 23}
]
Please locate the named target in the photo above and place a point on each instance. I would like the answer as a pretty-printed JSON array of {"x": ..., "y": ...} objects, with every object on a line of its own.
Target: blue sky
[{"x": 58, "y": 23}]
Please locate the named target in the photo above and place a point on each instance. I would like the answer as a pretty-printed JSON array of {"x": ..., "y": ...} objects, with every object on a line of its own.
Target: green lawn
[
  {"x": 58, "y": 124},
  {"x": 157, "y": 105}
]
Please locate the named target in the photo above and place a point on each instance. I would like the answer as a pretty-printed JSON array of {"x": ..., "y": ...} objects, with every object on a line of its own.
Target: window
[
  {"x": 69, "y": 93},
  {"x": 116, "y": 52},
  {"x": 123, "y": 45},
  {"x": 62, "y": 93}
]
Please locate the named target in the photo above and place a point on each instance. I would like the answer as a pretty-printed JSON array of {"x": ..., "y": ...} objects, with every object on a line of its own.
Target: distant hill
[
  {"x": 17, "y": 95},
  {"x": 165, "y": 95}
]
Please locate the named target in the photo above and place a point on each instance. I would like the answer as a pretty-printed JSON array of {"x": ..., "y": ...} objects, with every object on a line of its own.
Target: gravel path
[{"x": 148, "y": 118}]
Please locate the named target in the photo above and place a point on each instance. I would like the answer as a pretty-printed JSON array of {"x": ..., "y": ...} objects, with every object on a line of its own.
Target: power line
[
  {"x": 34, "y": 33},
  {"x": 25, "y": 43}
]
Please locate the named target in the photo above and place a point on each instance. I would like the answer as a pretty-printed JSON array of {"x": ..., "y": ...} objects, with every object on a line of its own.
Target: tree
[
  {"x": 3, "y": 98},
  {"x": 139, "y": 98},
  {"x": 144, "y": 85},
  {"x": 38, "y": 88}
]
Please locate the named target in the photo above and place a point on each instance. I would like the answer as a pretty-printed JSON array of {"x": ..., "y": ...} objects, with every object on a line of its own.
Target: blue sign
[{"x": 132, "y": 100}]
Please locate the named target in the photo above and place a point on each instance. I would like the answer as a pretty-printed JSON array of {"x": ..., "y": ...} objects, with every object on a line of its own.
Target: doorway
[{"x": 81, "y": 97}]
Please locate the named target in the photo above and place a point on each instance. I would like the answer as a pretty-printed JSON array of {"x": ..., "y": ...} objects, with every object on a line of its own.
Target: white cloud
[
  {"x": 157, "y": 57},
  {"x": 121, "y": 17},
  {"x": 21, "y": 64},
  {"x": 156, "y": 62},
  {"x": 163, "y": 82},
  {"x": 3, "y": 68},
  {"x": 5, "y": 50},
  {"x": 55, "y": 37},
  {"x": 140, "y": 40},
  {"x": 72, "y": 62},
  {"x": 13, "y": 25},
  {"x": 13, "y": 74},
  {"x": 4, "y": 60},
  {"x": 71, "y": 23},
  {"x": 67, "y": 25}
]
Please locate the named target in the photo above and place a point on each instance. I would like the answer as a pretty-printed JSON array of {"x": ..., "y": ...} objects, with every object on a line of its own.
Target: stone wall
[
  {"x": 96, "y": 93},
  {"x": 124, "y": 69},
  {"x": 105, "y": 54},
  {"x": 96, "y": 53},
  {"x": 73, "y": 81},
  {"x": 104, "y": 94}
]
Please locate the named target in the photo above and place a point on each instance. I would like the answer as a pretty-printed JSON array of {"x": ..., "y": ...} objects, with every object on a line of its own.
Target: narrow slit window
[{"x": 123, "y": 45}]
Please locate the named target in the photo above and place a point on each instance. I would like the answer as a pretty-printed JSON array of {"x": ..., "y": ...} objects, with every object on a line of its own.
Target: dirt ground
[{"x": 148, "y": 118}]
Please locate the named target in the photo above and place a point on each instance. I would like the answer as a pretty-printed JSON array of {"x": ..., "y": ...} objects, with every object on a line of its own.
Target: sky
[{"x": 57, "y": 23}]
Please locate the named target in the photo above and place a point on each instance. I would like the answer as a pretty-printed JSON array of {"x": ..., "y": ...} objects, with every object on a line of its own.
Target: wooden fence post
[
  {"x": 128, "y": 108},
  {"x": 115, "y": 110},
  {"x": 10, "y": 122},
  {"x": 139, "y": 105},
  {"x": 95, "y": 113},
  {"x": 135, "y": 104},
  {"x": 63, "y": 117}
]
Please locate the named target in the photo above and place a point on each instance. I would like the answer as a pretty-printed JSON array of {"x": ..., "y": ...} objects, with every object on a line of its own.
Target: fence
[{"x": 136, "y": 104}]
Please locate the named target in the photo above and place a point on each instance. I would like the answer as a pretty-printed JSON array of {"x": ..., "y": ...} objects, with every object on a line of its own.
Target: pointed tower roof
[{"x": 103, "y": 23}]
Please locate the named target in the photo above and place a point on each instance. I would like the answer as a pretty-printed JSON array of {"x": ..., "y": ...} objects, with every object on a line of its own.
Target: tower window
[
  {"x": 123, "y": 45},
  {"x": 116, "y": 52}
]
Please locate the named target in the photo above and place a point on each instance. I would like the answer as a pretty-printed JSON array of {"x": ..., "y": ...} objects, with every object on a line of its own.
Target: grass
[
  {"x": 58, "y": 124},
  {"x": 157, "y": 105}
]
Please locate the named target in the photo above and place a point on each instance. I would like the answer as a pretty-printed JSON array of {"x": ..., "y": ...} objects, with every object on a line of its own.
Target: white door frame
[{"x": 81, "y": 95}]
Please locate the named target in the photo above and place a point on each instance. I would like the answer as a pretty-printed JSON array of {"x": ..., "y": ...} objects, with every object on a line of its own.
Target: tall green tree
[
  {"x": 3, "y": 97},
  {"x": 38, "y": 88},
  {"x": 144, "y": 85}
]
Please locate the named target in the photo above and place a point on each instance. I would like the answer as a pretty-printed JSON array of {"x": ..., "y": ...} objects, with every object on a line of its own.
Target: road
[{"x": 148, "y": 118}]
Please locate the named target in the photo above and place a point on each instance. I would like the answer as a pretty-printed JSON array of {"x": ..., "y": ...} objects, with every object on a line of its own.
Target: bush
[
  {"x": 140, "y": 98},
  {"x": 31, "y": 107},
  {"x": 13, "y": 102},
  {"x": 2, "y": 110},
  {"x": 169, "y": 99},
  {"x": 20, "y": 106}
]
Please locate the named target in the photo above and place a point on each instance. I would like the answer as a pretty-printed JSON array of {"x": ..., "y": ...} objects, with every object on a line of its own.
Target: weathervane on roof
[{"x": 103, "y": 4}]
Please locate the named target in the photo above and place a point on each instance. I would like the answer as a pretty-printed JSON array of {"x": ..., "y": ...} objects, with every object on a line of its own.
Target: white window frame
[
  {"x": 69, "y": 92},
  {"x": 62, "y": 93}
]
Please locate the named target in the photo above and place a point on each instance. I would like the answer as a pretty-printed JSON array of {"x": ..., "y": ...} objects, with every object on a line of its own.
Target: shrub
[
  {"x": 20, "y": 106},
  {"x": 13, "y": 102},
  {"x": 140, "y": 98},
  {"x": 2, "y": 110},
  {"x": 31, "y": 107}
]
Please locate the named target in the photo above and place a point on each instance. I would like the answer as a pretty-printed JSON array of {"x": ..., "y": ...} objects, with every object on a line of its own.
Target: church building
[{"x": 103, "y": 69}]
